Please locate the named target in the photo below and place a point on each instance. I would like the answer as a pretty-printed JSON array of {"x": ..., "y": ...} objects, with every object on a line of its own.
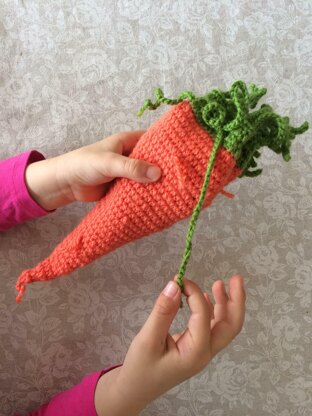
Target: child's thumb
[
  {"x": 163, "y": 313},
  {"x": 119, "y": 166}
]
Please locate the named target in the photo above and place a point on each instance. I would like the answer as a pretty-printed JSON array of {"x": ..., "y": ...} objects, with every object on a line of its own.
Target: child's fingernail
[
  {"x": 153, "y": 173},
  {"x": 171, "y": 289}
]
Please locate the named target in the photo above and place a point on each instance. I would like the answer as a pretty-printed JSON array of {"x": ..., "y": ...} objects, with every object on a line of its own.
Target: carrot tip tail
[
  {"x": 21, "y": 289},
  {"x": 23, "y": 280}
]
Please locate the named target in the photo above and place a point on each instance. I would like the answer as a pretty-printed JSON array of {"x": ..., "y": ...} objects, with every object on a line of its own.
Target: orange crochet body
[{"x": 131, "y": 210}]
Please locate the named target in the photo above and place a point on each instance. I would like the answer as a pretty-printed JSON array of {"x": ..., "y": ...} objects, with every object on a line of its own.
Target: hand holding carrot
[
  {"x": 157, "y": 361},
  {"x": 83, "y": 174}
]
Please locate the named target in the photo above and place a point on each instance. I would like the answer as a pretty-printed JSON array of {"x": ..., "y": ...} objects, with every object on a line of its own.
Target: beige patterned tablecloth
[{"x": 72, "y": 72}]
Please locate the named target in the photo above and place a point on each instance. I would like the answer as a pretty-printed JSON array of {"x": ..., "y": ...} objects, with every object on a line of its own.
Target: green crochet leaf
[{"x": 227, "y": 116}]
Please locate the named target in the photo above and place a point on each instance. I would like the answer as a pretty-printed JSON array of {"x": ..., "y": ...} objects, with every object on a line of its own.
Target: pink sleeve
[
  {"x": 78, "y": 401},
  {"x": 16, "y": 205}
]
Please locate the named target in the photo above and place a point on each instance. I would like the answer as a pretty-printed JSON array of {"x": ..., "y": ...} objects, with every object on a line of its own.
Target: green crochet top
[{"x": 227, "y": 117}]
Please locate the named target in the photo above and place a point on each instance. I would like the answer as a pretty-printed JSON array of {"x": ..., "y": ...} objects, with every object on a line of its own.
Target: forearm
[
  {"x": 46, "y": 184},
  {"x": 112, "y": 400}
]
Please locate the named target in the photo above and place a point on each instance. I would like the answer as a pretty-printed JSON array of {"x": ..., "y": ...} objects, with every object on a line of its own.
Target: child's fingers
[
  {"x": 211, "y": 308},
  {"x": 219, "y": 292},
  {"x": 128, "y": 140},
  {"x": 226, "y": 329},
  {"x": 236, "y": 289},
  {"x": 199, "y": 322},
  {"x": 157, "y": 326},
  {"x": 221, "y": 300},
  {"x": 119, "y": 166},
  {"x": 237, "y": 302}
]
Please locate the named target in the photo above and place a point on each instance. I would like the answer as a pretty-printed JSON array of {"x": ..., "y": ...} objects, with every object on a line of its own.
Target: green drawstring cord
[{"x": 196, "y": 212}]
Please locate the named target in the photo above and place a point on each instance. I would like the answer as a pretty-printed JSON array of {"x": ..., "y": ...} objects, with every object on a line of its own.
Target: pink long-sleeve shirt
[
  {"x": 78, "y": 401},
  {"x": 16, "y": 207}
]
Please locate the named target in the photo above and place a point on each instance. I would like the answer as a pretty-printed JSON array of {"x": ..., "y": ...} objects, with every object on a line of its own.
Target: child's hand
[
  {"x": 157, "y": 361},
  {"x": 81, "y": 175}
]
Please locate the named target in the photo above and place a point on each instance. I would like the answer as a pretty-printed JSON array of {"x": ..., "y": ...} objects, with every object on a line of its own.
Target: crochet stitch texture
[{"x": 201, "y": 145}]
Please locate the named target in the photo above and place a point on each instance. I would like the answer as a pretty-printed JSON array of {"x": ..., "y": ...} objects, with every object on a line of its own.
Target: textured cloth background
[{"x": 72, "y": 72}]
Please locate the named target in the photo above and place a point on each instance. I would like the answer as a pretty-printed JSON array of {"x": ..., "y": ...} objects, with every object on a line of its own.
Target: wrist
[
  {"x": 46, "y": 185},
  {"x": 112, "y": 396}
]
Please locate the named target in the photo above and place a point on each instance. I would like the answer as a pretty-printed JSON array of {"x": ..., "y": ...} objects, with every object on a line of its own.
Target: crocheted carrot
[{"x": 201, "y": 144}]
